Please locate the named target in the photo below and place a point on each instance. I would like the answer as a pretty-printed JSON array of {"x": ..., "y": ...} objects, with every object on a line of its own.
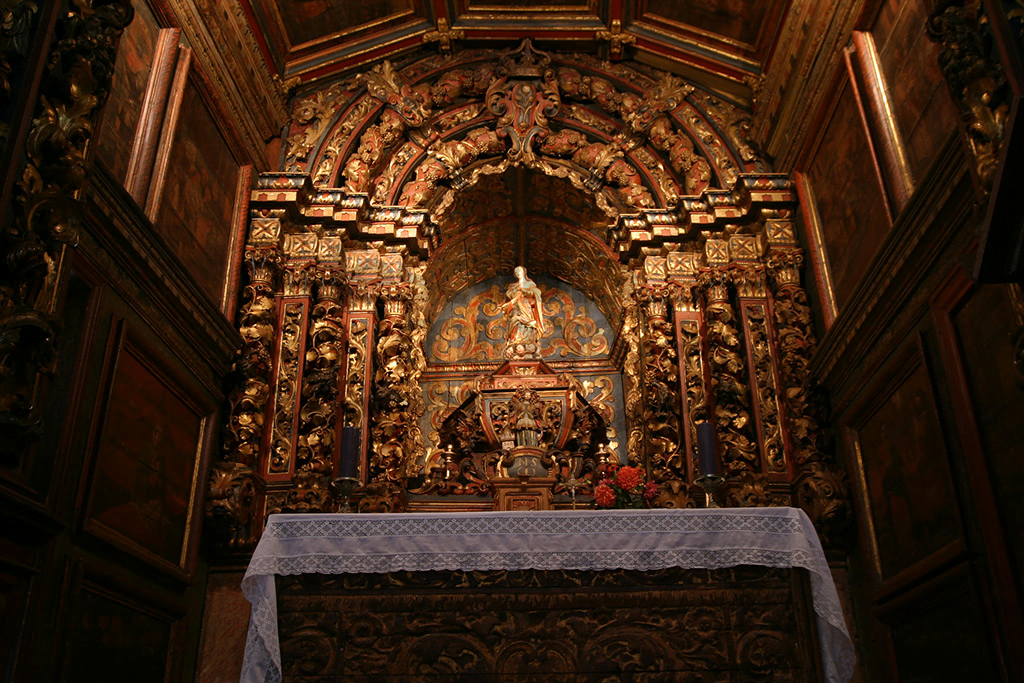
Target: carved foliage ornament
[
  {"x": 976, "y": 79},
  {"x": 47, "y": 213}
]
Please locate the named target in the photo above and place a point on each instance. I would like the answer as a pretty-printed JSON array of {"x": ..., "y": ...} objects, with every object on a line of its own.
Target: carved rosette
[
  {"x": 46, "y": 211},
  {"x": 727, "y": 364},
  {"x": 661, "y": 406},
  {"x": 820, "y": 491}
]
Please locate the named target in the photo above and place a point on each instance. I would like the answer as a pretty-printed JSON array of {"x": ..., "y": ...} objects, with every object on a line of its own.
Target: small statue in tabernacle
[{"x": 524, "y": 313}]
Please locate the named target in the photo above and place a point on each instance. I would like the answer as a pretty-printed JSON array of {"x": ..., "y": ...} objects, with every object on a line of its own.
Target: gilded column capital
[
  {"x": 297, "y": 280},
  {"x": 362, "y": 295},
  {"x": 751, "y": 282},
  {"x": 396, "y": 297},
  {"x": 654, "y": 299},
  {"x": 329, "y": 283},
  {"x": 262, "y": 263},
  {"x": 715, "y": 284},
  {"x": 784, "y": 267}
]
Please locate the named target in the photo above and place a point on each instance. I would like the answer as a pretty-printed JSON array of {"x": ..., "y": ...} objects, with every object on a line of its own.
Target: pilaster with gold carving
[
  {"x": 818, "y": 487},
  {"x": 632, "y": 383},
  {"x": 694, "y": 375},
  {"x": 661, "y": 409},
  {"x": 235, "y": 485},
  {"x": 755, "y": 312},
  {"x": 361, "y": 325},
  {"x": 727, "y": 362},
  {"x": 289, "y": 352},
  {"x": 46, "y": 212}
]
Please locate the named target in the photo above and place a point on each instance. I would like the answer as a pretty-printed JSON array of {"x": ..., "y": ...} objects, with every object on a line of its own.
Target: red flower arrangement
[{"x": 625, "y": 487}]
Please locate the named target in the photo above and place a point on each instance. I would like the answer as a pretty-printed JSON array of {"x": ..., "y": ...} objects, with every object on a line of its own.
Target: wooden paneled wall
[
  {"x": 100, "y": 517},
  {"x": 917, "y": 361}
]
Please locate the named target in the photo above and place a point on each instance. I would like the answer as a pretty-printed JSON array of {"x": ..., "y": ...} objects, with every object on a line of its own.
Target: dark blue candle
[
  {"x": 349, "y": 465},
  {"x": 707, "y": 453}
]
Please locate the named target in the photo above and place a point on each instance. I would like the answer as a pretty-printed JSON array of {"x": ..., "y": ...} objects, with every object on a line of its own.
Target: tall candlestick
[
  {"x": 707, "y": 451},
  {"x": 349, "y": 465}
]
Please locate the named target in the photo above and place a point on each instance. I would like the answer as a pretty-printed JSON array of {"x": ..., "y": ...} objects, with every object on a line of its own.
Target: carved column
[
  {"x": 728, "y": 376},
  {"x": 819, "y": 491},
  {"x": 315, "y": 450},
  {"x": 231, "y": 502},
  {"x": 46, "y": 212},
  {"x": 361, "y": 324},
  {"x": 392, "y": 368},
  {"x": 661, "y": 409}
]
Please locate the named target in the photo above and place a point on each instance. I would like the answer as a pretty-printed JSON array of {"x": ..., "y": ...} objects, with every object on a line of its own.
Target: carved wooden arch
[
  {"x": 660, "y": 126},
  {"x": 620, "y": 182}
]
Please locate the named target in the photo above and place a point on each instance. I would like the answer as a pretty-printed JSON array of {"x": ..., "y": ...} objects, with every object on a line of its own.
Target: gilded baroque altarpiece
[{"x": 669, "y": 274}]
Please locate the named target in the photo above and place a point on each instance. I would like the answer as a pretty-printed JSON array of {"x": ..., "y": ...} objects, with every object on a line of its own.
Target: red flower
[
  {"x": 650, "y": 491},
  {"x": 629, "y": 477},
  {"x": 604, "y": 495}
]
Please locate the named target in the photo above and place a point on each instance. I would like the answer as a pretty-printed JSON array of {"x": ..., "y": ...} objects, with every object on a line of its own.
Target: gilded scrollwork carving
[
  {"x": 632, "y": 376},
  {"x": 394, "y": 426},
  {"x": 728, "y": 376},
  {"x": 46, "y": 210},
  {"x": 819, "y": 487},
  {"x": 231, "y": 496}
]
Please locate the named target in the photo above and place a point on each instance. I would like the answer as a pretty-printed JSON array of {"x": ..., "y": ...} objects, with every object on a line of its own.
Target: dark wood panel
[
  {"x": 902, "y": 455},
  {"x": 986, "y": 325},
  {"x": 196, "y": 215},
  {"x": 121, "y": 114},
  {"x": 938, "y": 633},
  {"x": 854, "y": 217},
  {"x": 150, "y": 440},
  {"x": 920, "y": 100}
]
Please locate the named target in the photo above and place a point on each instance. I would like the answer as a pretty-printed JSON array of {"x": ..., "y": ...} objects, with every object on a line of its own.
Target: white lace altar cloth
[{"x": 559, "y": 539}]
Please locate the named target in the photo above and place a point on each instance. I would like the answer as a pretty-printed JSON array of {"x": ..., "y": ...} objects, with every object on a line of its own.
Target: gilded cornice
[{"x": 224, "y": 45}]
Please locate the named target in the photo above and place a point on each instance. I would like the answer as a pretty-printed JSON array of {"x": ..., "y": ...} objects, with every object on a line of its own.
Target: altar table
[{"x": 547, "y": 540}]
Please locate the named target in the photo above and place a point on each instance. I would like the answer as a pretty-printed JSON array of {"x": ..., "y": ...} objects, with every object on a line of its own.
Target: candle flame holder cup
[
  {"x": 711, "y": 483},
  {"x": 342, "y": 487}
]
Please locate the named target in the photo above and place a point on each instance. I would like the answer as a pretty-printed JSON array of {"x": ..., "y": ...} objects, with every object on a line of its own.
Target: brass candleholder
[
  {"x": 711, "y": 483},
  {"x": 342, "y": 487}
]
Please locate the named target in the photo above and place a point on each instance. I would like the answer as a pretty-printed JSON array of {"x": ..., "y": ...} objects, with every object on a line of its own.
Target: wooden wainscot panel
[
  {"x": 850, "y": 202},
  {"x": 977, "y": 327},
  {"x": 937, "y": 631},
  {"x": 900, "y": 462},
  {"x": 149, "y": 442},
  {"x": 112, "y": 631}
]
